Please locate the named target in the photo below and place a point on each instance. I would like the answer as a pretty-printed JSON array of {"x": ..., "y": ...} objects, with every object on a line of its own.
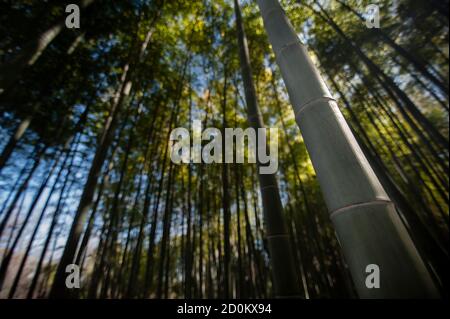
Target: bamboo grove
[{"x": 85, "y": 169}]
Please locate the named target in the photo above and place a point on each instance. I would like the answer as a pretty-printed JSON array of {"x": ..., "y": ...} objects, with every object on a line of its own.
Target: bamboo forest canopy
[{"x": 86, "y": 176}]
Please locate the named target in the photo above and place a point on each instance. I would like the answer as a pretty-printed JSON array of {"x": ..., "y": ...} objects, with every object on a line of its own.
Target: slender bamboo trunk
[
  {"x": 166, "y": 233},
  {"x": 285, "y": 278},
  {"x": 225, "y": 196},
  {"x": 240, "y": 277},
  {"x": 188, "y": 254}
]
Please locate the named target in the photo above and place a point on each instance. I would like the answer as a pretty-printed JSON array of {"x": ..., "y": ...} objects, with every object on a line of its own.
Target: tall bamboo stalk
[
  {"x": 285, "y": 278},
  {"x": 366, "y": 222}
]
